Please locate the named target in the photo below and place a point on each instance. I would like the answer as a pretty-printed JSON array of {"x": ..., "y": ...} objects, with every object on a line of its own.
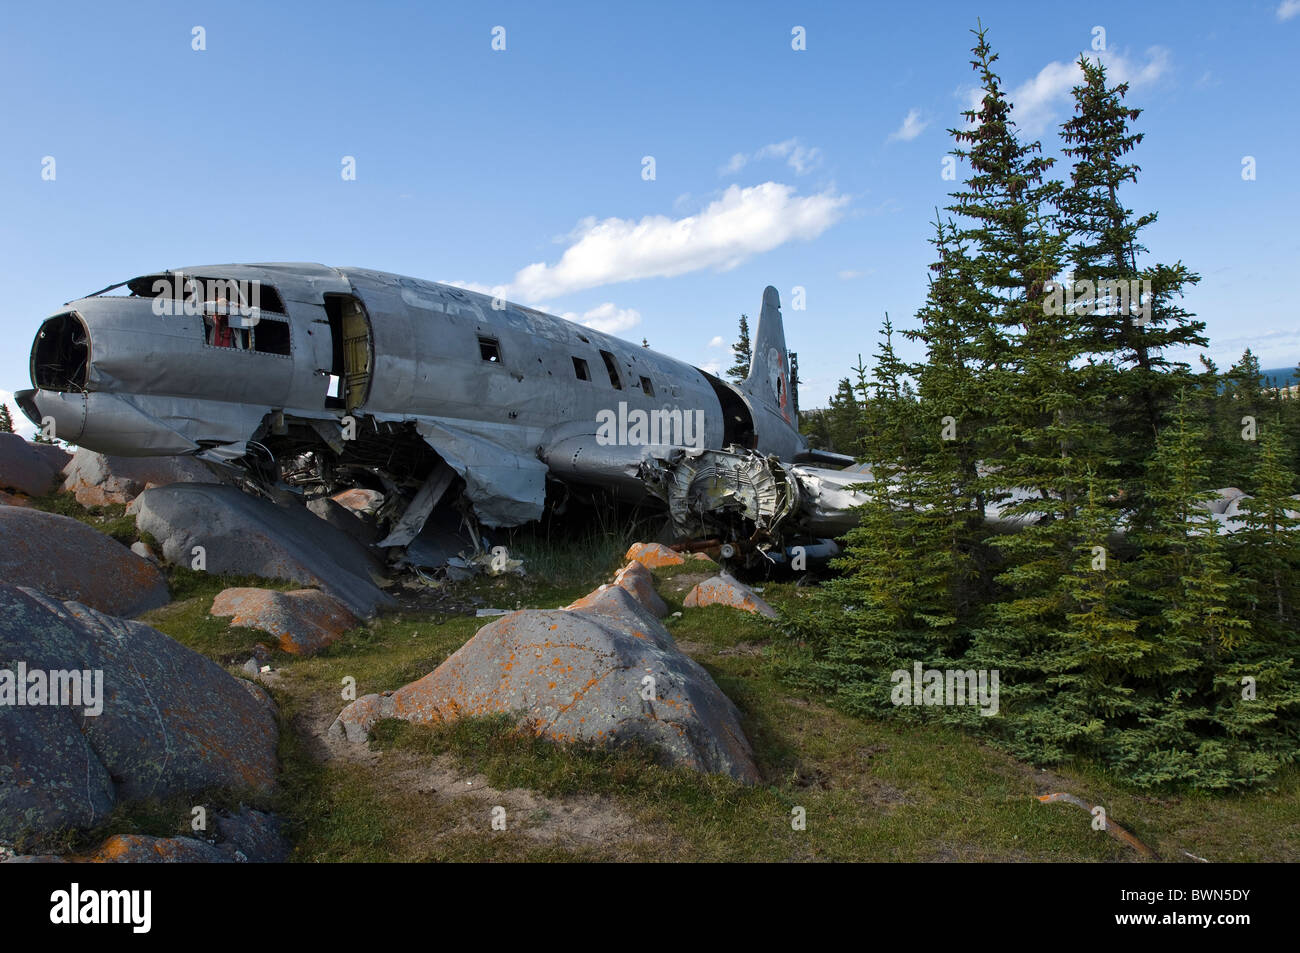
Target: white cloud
[
  {"x": 1287, "y": 9},
  {"x": 734, "y": 164},
  {"x": 713, "y": 367},
  {"x": 913, "y": 125},
  {"x": 717, "y": 341},
  {"x": 732, "y": 229},
  {"x": 606, "y": 317},
  {"x": 797, "y": 156},
  {"x": 849, "y": 274},
  {"x": 1040, "y": 101},
  {"x": 22, "y": 425}
]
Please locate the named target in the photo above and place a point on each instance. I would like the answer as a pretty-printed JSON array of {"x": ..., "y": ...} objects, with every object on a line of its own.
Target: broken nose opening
[{"x": 61, "y": 354}]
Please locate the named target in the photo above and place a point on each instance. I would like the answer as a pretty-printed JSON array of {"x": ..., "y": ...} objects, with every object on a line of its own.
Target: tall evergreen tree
[{"x": 742, "y": 352}]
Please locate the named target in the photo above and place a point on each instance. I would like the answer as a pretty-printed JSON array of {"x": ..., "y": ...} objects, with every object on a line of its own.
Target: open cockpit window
[
  {"x": 196, "y": 294},
  {"x": 265, "y": 335}
]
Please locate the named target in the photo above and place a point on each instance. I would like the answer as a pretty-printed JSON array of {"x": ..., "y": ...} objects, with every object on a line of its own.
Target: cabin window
[
  {"x": 270, "y": 336},
  {"x": 580, "y": 369},
  {"x": 648, "y": 387},
  {"x": 612, "y": 366},
  {"x": 489, "y": 350}
]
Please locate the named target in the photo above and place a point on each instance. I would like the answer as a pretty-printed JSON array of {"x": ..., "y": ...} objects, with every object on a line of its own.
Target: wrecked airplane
[{"x": 306, "y": 380}]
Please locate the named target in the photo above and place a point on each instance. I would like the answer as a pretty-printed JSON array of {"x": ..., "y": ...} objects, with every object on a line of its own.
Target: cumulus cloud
[
  {"x": 732, "y": 229},
  {"x": 717, "y": 341},
  {"x": 797, "y": 156},
  {"x": 606, "y": 317},
  {"x": 1287, "y": 9},
  {"x": 713, "y": 367},
  {"x": 1043, "y": 99},
  {"x": 913, "y": 125},
  {"x": 22, "y": 425}
]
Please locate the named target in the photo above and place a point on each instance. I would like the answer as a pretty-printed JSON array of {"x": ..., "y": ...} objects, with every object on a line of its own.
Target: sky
[{"x": 644, "y": 168}]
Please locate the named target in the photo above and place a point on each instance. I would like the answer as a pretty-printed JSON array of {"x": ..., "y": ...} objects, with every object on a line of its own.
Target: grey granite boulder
[
  {"x": 154, "y": 718},
  {"x": 27, "y": 467},
  {"x": 67, "y": 559},
  {"x": 603, "y": 670},
  {"x": 242, "y": 534},
  {"x": 94, "y": 478}
]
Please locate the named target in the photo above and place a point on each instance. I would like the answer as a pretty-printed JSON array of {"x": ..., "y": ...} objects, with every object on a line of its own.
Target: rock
[
  {"x": 654, "y": 555},
  {"x": 142, "y": 849},
  {"x": 95, "y": 479},
  {"x": 170, "y": 721},
  {"x": 640, "y": 583},
  {"x": 26, "y": 467},
  {"x": 254, "y": 834},
  {"x": 576, "y": 674},
  {"x": 67, "y": 559},
  {"x": 247, "y": 837},
  {"x": 724, "y": 590},
  {"x": 143, "y": 551},
  {"x": 304, "y": 620},
  {"x": 246, "y": 535},
  {"x": 359, "y": 500},
  {"x": 14, "y": 499}
]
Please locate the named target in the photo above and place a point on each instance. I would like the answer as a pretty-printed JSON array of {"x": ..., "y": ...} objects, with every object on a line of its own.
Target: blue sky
[{"x": 523, "y": 168}]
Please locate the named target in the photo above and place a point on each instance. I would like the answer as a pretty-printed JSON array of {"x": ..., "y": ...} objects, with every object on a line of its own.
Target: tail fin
[{"x": 769, "y": 365}]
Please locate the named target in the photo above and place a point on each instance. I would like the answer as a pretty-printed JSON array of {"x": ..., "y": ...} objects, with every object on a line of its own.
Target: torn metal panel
[
  {"x": 418, "y": 511},
  {"x": 506, "y": 488}
]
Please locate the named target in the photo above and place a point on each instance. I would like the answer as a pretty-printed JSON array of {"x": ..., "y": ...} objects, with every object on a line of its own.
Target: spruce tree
[{"x": 742, "y": 352}]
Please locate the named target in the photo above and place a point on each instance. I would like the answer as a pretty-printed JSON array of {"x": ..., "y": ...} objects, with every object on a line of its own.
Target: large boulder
[
  {"x": 604, "y": 670},
  {"x": 304, "y": 620},
  {"x": 725, "y": 590},
  {"x": 67, "y": 559},
  {"x": 247, "y": 837},
  {"x": 28, "y": 467},
  {"x": 245, "y": 535},
  {"x": 95, "y": 479},
  {"x": 148, "y": 718}
]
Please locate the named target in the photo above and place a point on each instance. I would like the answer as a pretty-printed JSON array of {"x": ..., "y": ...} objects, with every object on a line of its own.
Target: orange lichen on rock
[
  {"x": 654, "y": 555},
  {"x": 723, "y": 590},
  {"x": 304, "y": 620}
]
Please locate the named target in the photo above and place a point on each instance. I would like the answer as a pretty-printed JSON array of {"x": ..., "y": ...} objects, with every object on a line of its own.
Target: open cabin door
[{"x": 354, "y": 351}]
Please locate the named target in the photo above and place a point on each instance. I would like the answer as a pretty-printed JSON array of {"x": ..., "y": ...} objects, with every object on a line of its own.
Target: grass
[{"x": 870, "y": 790}]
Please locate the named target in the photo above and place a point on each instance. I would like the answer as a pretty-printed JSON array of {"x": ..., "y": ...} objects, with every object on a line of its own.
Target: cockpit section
[{"x": 61, "y": 354}]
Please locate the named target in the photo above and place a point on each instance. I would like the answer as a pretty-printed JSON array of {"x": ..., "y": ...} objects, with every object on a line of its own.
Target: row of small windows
[{"x": 490, "y": 350}]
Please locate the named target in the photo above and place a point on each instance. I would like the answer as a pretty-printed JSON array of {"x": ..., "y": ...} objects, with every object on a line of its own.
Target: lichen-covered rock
[
  {"x": 67, "y": 559},
  {"x": 169, "y": 720},
  {"x": 304, "y": 620},
  {"x": 242, "y": 534},
  {"x": 27, "y": 467},
  {"x": 603, "y": 670},
  {"x": 359, "y": 500},
  {"x": 640, "y": 585},
  {"x": 95, "y": 479},
  {"x": 247, "y": 837},
  {"x": 654, "y": 555},
  {"x": 724, "y": 590}
]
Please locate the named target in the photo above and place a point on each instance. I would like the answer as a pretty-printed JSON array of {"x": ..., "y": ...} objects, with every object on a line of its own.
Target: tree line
[{"x": 1043, "y": 499}]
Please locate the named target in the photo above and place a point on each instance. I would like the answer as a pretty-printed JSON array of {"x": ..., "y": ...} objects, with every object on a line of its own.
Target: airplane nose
[{"x": 61, "y": 354}]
